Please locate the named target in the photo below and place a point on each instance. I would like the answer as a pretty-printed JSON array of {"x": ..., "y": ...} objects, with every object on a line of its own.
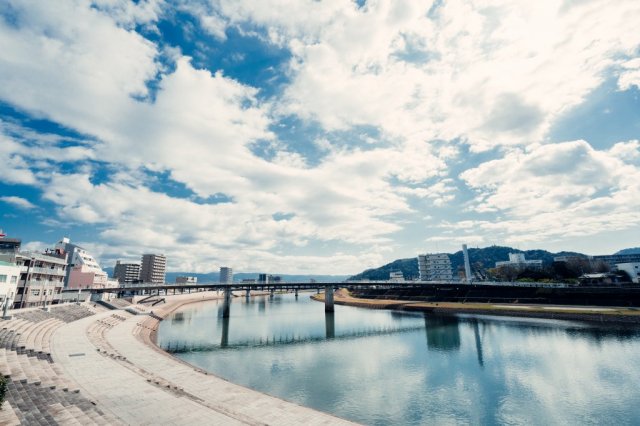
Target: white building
[
  {"x": 517, "y": 260},
  {"x": 154, "y": 267},
  {"x": 396, "y": 277},
  {"x": 435, "y": 267},
  {"x": 127, "y": 272},
  {"x": 41, "y": 279},
  {"x": 226, "y": 275},
  {"x": 631, "y": 268},
  {"x": 186, "y": 280},
  {"x": 9, "y": 274},
  {"x": 83, "y": 271}
]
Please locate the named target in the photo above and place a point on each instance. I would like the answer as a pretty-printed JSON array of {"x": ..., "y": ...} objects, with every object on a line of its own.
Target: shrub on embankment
[{"x": 3, "y": 389}]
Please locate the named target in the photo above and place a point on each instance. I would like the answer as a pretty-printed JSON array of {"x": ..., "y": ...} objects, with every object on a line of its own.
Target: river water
[{"x": 393, "y": 368}]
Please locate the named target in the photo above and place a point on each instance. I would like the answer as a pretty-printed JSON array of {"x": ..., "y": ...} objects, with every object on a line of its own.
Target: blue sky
[{"x": 319, "y": 137}]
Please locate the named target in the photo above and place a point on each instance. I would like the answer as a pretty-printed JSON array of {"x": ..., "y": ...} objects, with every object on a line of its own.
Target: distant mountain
[
  {"x": 479, "y": 258},
  {"x": 214, "y": 277},
  {"x": 632, "y": 250}
]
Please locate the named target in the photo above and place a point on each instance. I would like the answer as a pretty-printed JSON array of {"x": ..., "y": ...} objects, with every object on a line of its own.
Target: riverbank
[
  {"x": 236, "y": 402},
  {"x": 104, "y": 368},
  {"x": 580, "y": 313}
]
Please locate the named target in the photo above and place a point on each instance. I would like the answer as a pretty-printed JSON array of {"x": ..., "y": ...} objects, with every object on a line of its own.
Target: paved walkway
[
  {"x": 120, "y": 390},
  {"x": 183, "y": 395}
]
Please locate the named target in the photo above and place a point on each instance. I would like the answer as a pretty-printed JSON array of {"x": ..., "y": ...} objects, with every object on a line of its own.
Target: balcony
[{"x": 45, "y": 271}]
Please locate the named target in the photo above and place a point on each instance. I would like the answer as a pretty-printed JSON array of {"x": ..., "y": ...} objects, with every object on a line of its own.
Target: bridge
[{"x": 328, "y": 287}]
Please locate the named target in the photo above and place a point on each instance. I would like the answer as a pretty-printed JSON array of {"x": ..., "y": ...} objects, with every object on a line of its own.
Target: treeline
[{"x": 568, "y": 271}]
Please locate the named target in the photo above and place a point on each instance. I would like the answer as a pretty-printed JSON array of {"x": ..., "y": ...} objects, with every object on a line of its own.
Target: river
[{"x": 394, "y": 368}]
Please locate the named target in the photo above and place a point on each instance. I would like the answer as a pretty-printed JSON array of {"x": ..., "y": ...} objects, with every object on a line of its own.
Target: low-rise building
[
  {"x": 600, "y": 278},
  {"x": 632, "y": 269},
  {"x": 186, "y": 280},
  {"x": 41, "y": 279},
  {"x": 274, "y": 279},
  {"x": 518, "y": 261},
  {"x": 9, "y": 274},
  {"x": 396, "y": 277},
  {"x": 613, "y": 259}
]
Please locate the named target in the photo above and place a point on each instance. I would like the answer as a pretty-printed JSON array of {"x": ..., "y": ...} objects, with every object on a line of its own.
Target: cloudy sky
[{"x": 304, "y": 136}]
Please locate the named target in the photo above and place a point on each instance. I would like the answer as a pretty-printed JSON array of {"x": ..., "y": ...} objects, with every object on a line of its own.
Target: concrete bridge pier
[
  {"x": 271, "y": 292},
  {"x": 328, "y": 298},
  {"x": 296, "y": 293},
  {"x": 226, "y": 307},
  {"x": 330, "y": 325},
  {"x": 224, "y": 339},
  {"x": 247, "y": 294}
]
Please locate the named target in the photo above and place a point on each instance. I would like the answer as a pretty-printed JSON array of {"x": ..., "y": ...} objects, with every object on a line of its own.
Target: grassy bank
[{"x": 581, "y": 313}]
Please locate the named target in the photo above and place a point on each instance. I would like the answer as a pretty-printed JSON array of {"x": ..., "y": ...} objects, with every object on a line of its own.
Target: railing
[
  {"x": 45, "y": 271},
  {"x": 32, "y": 283}
]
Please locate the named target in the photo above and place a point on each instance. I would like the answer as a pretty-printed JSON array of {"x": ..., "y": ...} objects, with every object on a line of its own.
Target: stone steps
[{"x": 37, "y": 405}]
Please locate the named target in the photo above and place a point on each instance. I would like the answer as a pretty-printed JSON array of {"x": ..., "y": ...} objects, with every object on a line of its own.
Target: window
[
  {"x": 35, "y": 292},
  {"x": 14, "y": 279},
  {"x": 3, "y": 278}
]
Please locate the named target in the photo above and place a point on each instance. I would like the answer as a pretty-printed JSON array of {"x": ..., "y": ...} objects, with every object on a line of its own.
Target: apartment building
[
  {"x": 226, "y": 275},
  {"x": 127, "y": 272},
  {"x": 435, "y": 267},
  {"x": 83, "y": 270},
  {"x": 153, "y": 269}
]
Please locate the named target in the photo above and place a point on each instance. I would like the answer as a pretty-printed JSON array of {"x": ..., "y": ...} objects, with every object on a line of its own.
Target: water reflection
[
  {"x": 373, "y": 367},
  {"x": 476, "y": 334},
  {"x": 224, "y": 338},
  {"x": 330, "y": 325},
  {"x": 443, "y": 332}
]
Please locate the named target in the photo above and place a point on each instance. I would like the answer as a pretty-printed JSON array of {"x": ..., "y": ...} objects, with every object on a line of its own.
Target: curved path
[{"x": 113, "y": 361}]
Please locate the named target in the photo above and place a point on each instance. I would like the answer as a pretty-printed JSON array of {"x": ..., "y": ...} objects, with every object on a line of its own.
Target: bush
[{"x": 3, "y": 389}]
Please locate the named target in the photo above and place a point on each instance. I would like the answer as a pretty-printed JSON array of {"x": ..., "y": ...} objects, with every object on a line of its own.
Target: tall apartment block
[
  {"x": 153, "y": 268},
  {"x": 226, "y": 275},
  {"x": 435, "y": 267},
  {"x": 127, "y": 272}
]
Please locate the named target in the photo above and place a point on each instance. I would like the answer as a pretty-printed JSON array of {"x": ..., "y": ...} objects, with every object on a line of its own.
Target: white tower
[{"x": 467, "y": 266}]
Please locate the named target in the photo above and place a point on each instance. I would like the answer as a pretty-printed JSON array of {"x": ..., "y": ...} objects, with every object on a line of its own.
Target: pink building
[{"x": 83, "y": 271}]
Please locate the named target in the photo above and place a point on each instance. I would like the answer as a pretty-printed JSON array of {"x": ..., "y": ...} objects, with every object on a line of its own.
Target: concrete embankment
[
  {"x": 237, "y": 403},
  {"x": 606, "y": 314}
]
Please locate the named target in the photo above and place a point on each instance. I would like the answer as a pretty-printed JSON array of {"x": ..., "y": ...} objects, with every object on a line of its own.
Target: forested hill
[
  {"x": 480, "y": 259},
  {"x": 632, "y": 250}
]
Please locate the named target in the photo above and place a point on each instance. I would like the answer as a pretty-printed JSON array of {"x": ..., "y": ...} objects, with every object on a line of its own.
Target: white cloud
[
  {"x": 486, "y": 74},
  {"x": 630, "y": 74},
  {"x": 19, "y": 202},
  {"x": 72, "y": 64},
  {"x": 557, "y": 190},
  {"x": 35, "y": 246},
  {"x": 489, "y": 73},
  {"x": 129, "y": 13}
]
